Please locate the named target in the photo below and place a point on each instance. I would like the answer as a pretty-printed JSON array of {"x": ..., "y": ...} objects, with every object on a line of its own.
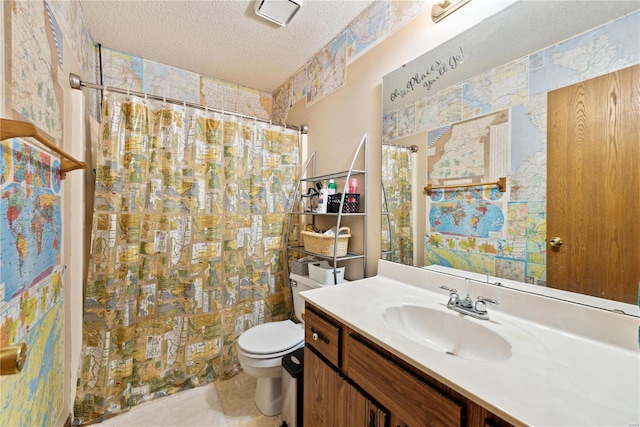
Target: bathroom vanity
[
  {"x": 386, "y": 350},
  {"x": 346, "y": 375}
]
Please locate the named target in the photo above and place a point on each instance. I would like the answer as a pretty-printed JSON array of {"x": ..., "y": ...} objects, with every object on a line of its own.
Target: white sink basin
[{"x": 449, "y": 332}]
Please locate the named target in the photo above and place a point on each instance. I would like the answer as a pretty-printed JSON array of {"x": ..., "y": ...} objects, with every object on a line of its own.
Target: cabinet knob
[{"x": 317, "y": 335}]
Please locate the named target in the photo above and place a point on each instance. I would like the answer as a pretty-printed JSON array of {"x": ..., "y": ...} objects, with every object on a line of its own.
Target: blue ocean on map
[
  {"x": 30, "y": 234},
  {"x": 473, "y": 219}
]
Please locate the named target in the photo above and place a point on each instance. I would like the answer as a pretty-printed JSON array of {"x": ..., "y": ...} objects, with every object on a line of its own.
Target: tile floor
[{"x": 227, "y": 403}]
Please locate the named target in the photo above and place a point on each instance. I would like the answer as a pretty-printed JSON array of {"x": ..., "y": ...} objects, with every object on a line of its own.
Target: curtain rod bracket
[{"x": 74, "y": 81}]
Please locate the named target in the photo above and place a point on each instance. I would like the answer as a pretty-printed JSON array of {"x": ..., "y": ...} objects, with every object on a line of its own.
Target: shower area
[
  {"x": 398, "y": 238},
  {"x": 186, "y": 247}
]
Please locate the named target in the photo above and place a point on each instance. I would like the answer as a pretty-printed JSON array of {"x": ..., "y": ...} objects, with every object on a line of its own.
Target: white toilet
[{"x": 261, "y": 348}]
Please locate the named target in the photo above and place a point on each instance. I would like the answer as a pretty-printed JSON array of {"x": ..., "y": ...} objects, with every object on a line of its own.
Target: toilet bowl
[{"x": 261, "y": 348}]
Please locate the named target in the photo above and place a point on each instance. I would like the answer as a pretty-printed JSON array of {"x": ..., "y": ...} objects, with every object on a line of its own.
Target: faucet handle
[
  {"x": 451, "y": 290},
  {"x": 453, "y": 296},
  {"x": 481, "y": 304}
]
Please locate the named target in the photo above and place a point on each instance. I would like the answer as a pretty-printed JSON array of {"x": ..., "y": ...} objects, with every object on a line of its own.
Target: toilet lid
[{"x": 273, "y": 337}]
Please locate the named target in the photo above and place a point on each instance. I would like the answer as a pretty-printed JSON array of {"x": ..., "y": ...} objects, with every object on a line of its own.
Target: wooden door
[{"x": 593, "y": 186}]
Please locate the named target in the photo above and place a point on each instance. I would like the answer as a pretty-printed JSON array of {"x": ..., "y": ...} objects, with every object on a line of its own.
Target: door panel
[
  {"x": 593, "y": 186},
  {"x": 329, "y": 399},
  {"x": 324, "y": 392},
  {"x": 362, "y": 411}
]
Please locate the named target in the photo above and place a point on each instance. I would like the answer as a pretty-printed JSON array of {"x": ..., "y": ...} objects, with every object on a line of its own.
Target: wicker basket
[
  {"x": 301, "y": 266},
  {"x": 323, "y": 245}
]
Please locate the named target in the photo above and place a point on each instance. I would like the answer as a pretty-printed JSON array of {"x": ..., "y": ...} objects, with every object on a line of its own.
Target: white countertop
[{"x": 571, "y": 365}]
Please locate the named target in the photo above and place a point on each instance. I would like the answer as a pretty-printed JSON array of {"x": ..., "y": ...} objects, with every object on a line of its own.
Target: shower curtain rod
[
  {"x": 413, "y": 148},
  {"x": 76, "y": 83}
]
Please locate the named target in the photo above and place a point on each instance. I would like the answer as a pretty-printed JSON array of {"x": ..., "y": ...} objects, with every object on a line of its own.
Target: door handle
[
  {"x": 556, "y": 242},
  {"x": 12, "y": 359}
]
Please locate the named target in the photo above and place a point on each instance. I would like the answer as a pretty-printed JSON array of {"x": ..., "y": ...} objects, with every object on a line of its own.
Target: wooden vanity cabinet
[{"x": 350, "y": 381}]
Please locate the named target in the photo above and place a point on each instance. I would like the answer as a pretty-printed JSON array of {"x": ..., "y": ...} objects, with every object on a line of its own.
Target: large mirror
[{"x": 481, "y": 171}]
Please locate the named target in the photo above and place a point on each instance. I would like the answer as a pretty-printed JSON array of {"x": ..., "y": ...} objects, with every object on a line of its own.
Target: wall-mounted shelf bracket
[
  {"x": 19, "y": 129},
  {"x": 501, "y": 183}
]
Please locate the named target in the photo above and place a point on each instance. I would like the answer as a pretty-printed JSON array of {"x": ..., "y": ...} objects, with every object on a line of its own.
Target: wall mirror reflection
[{"x": 544, "y": 95}]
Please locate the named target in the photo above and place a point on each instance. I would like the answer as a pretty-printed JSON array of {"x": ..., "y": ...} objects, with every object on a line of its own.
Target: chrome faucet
[{"x": 467, "y": 306}]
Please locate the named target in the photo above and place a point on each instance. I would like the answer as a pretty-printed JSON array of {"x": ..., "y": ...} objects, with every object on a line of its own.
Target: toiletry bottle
[
  {"x": 353, "y": 189},
  {"x": 322, "y": 200},
  {"x": 332, "y": 187}
]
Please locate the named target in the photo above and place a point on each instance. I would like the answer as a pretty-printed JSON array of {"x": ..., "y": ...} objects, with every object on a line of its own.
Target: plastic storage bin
[
  {"x": 292, "y": 388},
  {"x": 351, "y": 203},
  {"x": 322, "y": 272}
]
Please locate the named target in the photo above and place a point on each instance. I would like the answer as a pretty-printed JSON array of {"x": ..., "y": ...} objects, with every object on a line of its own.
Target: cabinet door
[
  {"x": 325, "y": 403},
  {"x": 330, "y": 401},
  {"x": 362, "y": 411},
  {"x": 397, "y": 422}
]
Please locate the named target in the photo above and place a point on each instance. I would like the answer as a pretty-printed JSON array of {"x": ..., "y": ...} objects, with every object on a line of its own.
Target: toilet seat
[{"x": 271, "y": 340}]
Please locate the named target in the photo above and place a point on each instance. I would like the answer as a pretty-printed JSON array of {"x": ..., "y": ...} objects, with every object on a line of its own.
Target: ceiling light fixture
[
  {"x": 442, "y": 8},
  {"x": 279, "y": 11}
]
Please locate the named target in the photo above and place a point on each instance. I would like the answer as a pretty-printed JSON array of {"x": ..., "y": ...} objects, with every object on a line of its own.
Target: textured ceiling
[{"x": 221, "y": 39}]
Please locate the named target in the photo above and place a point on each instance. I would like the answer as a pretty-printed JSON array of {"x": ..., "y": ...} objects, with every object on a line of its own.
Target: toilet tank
[{"x": 300, "y": 284}]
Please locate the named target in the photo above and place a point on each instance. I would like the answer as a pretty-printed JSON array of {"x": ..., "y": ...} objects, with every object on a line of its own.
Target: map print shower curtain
[
  {"x": 187, "y": 249},
  {"x": 397, "y": 226}
]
